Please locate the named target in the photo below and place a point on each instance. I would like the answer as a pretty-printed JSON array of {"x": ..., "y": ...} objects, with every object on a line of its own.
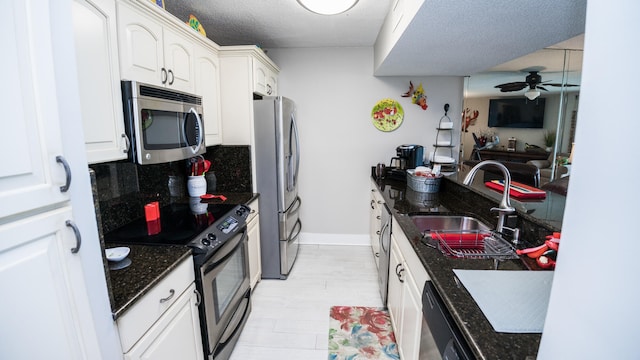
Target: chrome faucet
[{"x": 505, "y": 207}]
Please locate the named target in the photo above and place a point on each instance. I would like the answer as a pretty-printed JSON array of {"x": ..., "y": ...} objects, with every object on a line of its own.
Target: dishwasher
[
  {"x": 384, "y": 239},
  {"x": 440, "y": 337}
]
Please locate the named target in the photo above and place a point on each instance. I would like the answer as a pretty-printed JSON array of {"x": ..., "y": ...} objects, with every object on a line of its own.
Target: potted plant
[{"x": 549, "y": 140}]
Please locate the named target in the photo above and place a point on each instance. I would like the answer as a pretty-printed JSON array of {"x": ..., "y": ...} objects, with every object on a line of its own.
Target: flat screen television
[{"x": 516, "y": 113}]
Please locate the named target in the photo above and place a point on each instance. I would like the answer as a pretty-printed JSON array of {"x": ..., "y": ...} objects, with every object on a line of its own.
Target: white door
[
  {"x": 140, "y": 46},
  {"x": 36, "y": 271},
  {"x": 96, "y": 40},
  {"x": 45, "y": 310},
  {"x": 207, "y": 82},
  {"x": 179, "y": 61},
  {"x": 30, "y": 175}
]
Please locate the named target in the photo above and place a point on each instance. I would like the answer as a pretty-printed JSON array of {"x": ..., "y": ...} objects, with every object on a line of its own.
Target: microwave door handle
[{"x": 197, "y": 147}]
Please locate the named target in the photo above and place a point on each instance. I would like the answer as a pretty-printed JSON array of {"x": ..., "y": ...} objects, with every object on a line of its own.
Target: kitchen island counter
[{"x": 484, "y": 342}]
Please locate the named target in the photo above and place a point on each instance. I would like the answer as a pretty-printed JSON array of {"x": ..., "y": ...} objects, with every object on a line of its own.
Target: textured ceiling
[
  {"x": 283, "y": 23},
  {"x": 447, "y": 37}
]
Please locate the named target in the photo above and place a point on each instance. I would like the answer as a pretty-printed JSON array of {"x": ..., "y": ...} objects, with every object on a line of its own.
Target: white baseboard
[{"x": 334, "y": 239}]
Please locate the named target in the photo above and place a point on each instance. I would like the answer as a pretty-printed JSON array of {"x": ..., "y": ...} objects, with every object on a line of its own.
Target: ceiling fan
[{"x": 533, "y": 81}]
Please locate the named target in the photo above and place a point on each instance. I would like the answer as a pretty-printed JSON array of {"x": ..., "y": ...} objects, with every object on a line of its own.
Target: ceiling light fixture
[
  {"x": 328, "y": 7},
  {"x": 532, "y": 94}
]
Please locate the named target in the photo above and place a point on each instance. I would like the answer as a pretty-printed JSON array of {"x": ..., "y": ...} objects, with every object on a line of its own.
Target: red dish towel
[{"x": 518, "y": 190}]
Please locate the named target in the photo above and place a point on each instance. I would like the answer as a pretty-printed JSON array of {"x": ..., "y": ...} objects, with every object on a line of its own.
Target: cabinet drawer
[{"x": 146, "y": 311}]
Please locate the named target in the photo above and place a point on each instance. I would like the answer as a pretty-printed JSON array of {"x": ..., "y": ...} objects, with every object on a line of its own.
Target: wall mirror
[{"x": 559, "y": 69}]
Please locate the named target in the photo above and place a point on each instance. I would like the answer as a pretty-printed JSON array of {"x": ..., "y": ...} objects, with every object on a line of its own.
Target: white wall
[
  {"x": 594, "y": 308},
  {"x": 335, "y": 90}
]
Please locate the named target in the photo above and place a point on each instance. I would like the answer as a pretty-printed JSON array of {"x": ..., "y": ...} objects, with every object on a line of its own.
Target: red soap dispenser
[{"x": 152, "y": 215}]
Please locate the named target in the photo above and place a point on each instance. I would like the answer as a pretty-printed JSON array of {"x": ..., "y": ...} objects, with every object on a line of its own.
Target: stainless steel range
[{"x": 218, "y": 239}]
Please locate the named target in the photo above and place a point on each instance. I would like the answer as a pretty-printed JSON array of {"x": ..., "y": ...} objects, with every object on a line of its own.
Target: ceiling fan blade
[
  {"x": 558, "y": 85},
  {"x": 541, "y": 88},
  {"x": 512, "y": 86}
]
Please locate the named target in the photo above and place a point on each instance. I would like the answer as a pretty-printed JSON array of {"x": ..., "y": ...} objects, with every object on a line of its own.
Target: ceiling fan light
[
  {"x": 328, "y": 7},
  {"x": 532, "y": 94}
]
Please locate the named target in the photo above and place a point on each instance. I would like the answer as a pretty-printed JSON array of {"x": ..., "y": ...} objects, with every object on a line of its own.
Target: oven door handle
[{"x": 237, "y": 242}]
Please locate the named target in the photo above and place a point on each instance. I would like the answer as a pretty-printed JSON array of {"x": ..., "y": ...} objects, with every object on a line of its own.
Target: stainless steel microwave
[{"x": 164, "y": 125}]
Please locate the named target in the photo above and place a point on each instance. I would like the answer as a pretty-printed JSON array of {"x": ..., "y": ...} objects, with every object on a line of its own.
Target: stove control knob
[
  {"x": 240, "y": 211},
  {"x": 205, "y": 242},
  {"x": 211, "y": 236}
]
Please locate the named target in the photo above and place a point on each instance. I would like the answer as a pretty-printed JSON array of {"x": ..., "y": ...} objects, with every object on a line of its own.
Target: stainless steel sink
[
  {"x": 463, "y": 237},
  {"x": 427, "y": 223}
]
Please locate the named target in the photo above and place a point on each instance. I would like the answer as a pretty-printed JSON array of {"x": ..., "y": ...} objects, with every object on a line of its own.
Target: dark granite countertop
[
  {"x": 150, "y": 264},
  {"x": 480, "y": 335}
]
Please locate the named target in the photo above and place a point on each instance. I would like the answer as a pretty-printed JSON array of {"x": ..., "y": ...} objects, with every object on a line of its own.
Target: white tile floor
[{"x": 290, "y": 318}]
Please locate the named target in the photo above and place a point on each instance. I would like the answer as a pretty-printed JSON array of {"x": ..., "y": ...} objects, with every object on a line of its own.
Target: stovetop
[{"x": 180, "y": 223}]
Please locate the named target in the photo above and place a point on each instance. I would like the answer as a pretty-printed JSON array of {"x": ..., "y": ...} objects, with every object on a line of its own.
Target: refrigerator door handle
[
  {"x": 293, "y": 173},
  {"x": 295, "y": 206}
]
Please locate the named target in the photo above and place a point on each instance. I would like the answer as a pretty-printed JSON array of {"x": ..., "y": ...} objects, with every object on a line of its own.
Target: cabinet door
[
  {"x": 179, "y": 61},
  {"x": 411, "y": 318},
  {"x": 374, "y": 225},
  {"x": 42, "y": 289},
  {"x": 30, "y": 175},
  {"x": 260, "y": 72},
  {"x": 255, "y": 263},
  {"x": 176, "y": 335},
  {"x": 140, "y": 46},
  {"x": 394, "y": 299},
  {"x": 94, "y": 23},
  {"x": 207, "y": 82},
  {"x": 272, "y": 84}
]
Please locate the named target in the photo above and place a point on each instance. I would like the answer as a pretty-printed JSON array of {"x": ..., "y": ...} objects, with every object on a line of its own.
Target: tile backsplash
[{"x": 123, "y": 188}]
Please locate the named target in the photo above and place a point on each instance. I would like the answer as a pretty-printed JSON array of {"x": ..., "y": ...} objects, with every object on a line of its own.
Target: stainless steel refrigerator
[{"x": 277, "y": 157}]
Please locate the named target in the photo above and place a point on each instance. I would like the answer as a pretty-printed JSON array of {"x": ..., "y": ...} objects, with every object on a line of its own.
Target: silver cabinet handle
[
  {"x": 127, "y": 143},
  {"x": 372, "y": 202},
  {"x": 172, "y": 77},
  {"x": 399, "y": 273},
  {"x": 76, "y": 232},
  {"x": 198, "y": 297},
  {"x": 163, "y": 75},
  {"x": 171, "y": 294},
  {"x": 377, "y": 254},
  {"x": 379, "y": 217},
  {"x": 61, "y": 160}
]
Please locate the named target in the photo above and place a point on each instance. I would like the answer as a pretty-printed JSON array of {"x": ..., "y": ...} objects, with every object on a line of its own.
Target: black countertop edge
[
  {"x": 150, "y": 264},
  {"x": 482, "y": 339}
]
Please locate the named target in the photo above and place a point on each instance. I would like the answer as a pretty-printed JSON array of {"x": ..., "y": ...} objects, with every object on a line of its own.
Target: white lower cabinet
[
  {"x": 253, "y": 230},
  {"x": 406, "y": 282},
  {"x": 176, "y": 335},
  {"x": 164, "y": 323}
]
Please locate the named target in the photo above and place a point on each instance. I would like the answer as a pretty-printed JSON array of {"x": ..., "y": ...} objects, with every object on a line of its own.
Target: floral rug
[{"x": 359, "y": 332}]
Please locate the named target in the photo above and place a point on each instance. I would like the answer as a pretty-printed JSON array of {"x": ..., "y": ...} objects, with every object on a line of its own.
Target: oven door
[{"x": 225, "y": 306}]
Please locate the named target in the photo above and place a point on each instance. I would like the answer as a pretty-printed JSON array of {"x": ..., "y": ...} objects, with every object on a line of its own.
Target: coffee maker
[{"x": 408, "y": 156}]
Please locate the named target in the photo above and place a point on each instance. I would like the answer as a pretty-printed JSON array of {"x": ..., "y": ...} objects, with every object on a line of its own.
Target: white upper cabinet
[
  {"x": 265, "y": 80},
  {"x": 153, "y": 53},
  {"x": 245, "y": 71},
  {"x": 96, "y": 42},
  {"x": 33, "y": 169},
  {"x": 208, "y": 86}
]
